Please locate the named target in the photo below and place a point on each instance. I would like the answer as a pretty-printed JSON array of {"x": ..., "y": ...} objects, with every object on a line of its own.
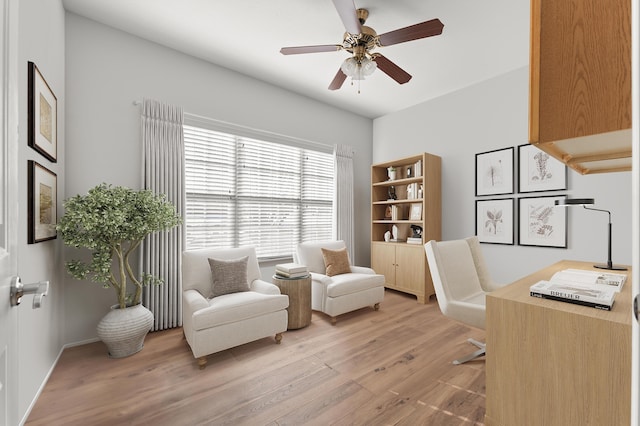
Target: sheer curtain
[
  {"x": 163, "y": 173},
  {"x": 343, "y": 197}
]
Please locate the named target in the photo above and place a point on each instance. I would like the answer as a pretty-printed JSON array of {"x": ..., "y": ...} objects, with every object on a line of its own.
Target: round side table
[{"x": 299, "y": 292}]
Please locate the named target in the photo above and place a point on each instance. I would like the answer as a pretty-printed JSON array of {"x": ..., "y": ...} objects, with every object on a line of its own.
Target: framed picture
[
  {"x": 538, "y": 171},
  {"x": 415, "y": 211},
  {"x": 494, "y": 221},
  {"x": 42, "y": 203},
  {"x": 494, "y": 172},
  {"x": 542, "y": 224},
  {"x": 42, "y": 116}
]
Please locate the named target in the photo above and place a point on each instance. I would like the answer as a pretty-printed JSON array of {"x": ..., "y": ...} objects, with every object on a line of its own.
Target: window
[{"x": 245, "y": 191}]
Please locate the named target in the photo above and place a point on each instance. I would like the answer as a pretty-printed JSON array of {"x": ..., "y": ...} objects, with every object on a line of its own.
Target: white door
[
  {"x": 635, "y": 204},
  {"x": 8, "y": 210}
]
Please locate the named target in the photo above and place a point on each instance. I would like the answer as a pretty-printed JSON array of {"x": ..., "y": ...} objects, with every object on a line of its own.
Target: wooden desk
[{"x": 556, "y": 363}]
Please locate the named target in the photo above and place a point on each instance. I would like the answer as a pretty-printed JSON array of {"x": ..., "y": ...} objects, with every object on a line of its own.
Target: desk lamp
[{"x": 590, "y": 201}]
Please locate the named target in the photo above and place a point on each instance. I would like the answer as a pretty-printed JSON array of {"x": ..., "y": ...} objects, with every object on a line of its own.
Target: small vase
[
  {"x": 124, "y": 330},
  {"x": 392, "y": 173}
]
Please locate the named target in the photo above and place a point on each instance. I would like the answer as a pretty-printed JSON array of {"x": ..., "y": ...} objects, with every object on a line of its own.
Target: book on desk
[{"x": 587, "y": 288}]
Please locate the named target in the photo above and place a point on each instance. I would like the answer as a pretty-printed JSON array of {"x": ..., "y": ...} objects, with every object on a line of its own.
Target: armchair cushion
[
  {"x": 236, "y": 307},
  {"x": 228, "y": 276},
  {"x": 336, "y": 262}
]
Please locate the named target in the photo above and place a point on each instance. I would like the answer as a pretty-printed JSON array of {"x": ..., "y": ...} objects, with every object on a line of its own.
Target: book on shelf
[
  {"x": 397, "y": 240},
  {"x": 414, "y": 240},
  {"x": 417, "y": 168},
  {"x": 291, "y": 268},
  {"x": 593, "y": 295}
]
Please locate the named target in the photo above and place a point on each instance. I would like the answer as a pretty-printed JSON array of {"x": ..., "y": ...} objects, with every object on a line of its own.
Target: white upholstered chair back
[
  {"x": 196, "y": 272},
  {"x": 310, "y": 254},
  {"x": 455, "y": 280}
]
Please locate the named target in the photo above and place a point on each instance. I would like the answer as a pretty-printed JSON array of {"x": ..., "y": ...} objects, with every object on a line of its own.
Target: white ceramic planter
[{"x": 124, "y": 330}]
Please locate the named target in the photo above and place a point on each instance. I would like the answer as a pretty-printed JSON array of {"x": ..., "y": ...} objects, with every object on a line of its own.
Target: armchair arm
[
  {"x": 362, "y": 270},
  {"x": 321, "y": 278},
  {"x": 193, "y": 301},
  {"x": 264, "y": 287}
]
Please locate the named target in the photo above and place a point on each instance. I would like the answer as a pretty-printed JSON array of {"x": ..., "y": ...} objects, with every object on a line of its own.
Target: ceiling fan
[{"x": 360, "y": 41}]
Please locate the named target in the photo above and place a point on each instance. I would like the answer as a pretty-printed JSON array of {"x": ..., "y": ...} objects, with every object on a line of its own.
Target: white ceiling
[{"x": 481, "y": 39}]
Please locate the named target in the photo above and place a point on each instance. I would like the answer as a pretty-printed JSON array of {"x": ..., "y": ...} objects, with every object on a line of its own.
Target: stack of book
[
  {"x": 414, "y": 240},
  {"x": 291, "y": 270},
  {"x": 588, "y": 288}
]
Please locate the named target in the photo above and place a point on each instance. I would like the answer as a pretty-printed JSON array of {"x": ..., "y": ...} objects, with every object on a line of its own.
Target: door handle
[{"x": 39, "y": 290}]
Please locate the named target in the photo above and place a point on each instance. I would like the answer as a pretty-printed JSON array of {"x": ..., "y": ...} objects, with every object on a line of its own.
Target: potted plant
[{"x": 111, "y": 222}]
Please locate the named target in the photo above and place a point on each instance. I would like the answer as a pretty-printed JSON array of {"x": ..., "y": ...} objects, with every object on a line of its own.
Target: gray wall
[
  {"x": 108, "y": 69},
  {"x": 41, "y": 40},
  {"x": 492, "y": 115}
]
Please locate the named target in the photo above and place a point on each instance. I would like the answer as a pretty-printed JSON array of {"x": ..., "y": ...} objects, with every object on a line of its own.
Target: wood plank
[{"x": 391, "y": 366}]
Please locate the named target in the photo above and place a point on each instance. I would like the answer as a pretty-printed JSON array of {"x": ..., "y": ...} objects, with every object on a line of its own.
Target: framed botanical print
[
  {"x": 538, "y": 171},
  {"x": 42, "y": 217},
  {"x": 494, "y": 172},
  {"x": 541, "y": 223},
  {"x": 494, "y": 221},
  {"x": 42, "y": 115}
]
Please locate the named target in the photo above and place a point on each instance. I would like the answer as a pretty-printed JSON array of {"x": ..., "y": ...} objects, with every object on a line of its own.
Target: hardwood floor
[{"x": 391, "y": 367}]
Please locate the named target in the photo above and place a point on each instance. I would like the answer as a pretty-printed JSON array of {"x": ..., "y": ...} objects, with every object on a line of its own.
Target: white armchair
[
  {"x": 213, "y": 324},
  {"x": 342, "y": 293}
]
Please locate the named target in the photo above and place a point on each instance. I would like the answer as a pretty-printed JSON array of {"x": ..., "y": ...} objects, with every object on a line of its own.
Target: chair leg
[
  {"x": 376, "y": 307},
  {"x": 202, "y": 362},
  {"x": 480, "y": 352},
  {"x": 278, "y": 338}
]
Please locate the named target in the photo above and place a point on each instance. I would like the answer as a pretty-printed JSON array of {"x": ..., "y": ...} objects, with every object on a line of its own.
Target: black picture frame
[
  {"x": 539, "y": 171},
  {"x": 541, "y": 223},
  {"x": 42, "y": 117},
  {"x": 495, "y": 221},
  {"x": 495, "y": 172},
  {"x": 42, "y": 203}
]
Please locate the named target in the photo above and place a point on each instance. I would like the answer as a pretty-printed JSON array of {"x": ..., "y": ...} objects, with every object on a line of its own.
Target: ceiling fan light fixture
[{"x": 358, "y": 69}]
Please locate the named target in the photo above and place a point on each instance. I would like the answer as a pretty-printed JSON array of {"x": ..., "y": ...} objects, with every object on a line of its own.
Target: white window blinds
[{"x": 245, "y": 191}]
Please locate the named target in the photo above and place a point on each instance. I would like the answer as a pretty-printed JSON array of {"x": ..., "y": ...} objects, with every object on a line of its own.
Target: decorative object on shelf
[
  {"x": 420, "y": 192},
  {"x": 409, "y": 172},
  {"x": 415, "y": 211},
  {"x": 42, "y": 115},
  {"x": 541, "y": 224},
  {"x": 391, "y": 172},
  {"x": 387, "y": 236},
  {"x": 112, "y": 222},
  {"x": 43, "y": 200},
  {"x": 391, "y": 193},
  {"x": 494, "y": 221},
  {"x": 494, "y": 172},
  {"x": 538, "y": 171},
  {"x": 394, "y": 232},
  {"x": 416, "y": 231},
  {"x": 388, "y": 212},
  {"x": 584, "y": 202}
]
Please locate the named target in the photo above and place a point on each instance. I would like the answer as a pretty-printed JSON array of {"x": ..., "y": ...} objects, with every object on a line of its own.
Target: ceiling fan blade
[
  {"x": 413, "y": 32},
  {"x": 347, "y": 11},
  {"x": 391, "y": 69},
  {"x": 337, "y": 81},
  {"x": 310, "y": 49}
]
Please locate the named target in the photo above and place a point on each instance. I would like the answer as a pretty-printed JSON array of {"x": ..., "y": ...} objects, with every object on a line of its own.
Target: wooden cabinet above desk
[
  {"x": 580, "y": 83},
  {"x": 556, "y": 363}
]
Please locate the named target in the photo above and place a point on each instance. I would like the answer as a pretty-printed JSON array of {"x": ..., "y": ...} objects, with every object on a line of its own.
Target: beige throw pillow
[
  {"x": 228, "y": 276},
  {"x": 336, "y": 262}
]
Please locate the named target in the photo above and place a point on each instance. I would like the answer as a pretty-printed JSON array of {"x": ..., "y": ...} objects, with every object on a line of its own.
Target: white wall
[
  {"x": 492, "y": 115},
  {"x": 108, "y": 69},
  {"x": 41, "y": 40}
]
